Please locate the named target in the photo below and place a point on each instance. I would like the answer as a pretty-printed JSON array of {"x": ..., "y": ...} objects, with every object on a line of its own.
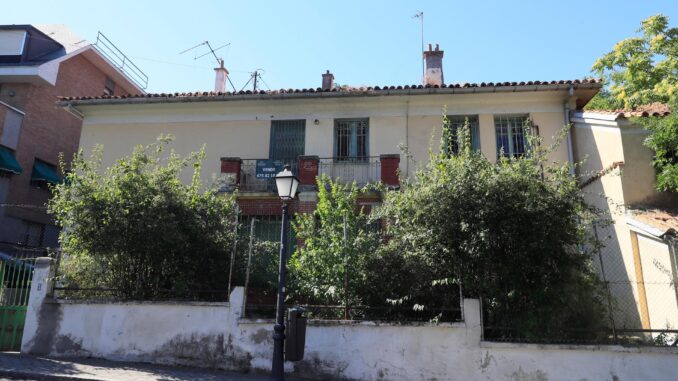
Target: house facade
[
  {"x": 352, "y": 134},
  {"x": 38, "y": 64}
]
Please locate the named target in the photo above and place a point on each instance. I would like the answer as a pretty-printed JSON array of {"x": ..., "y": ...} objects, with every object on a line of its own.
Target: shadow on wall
[{"x": 613, "y": 266}]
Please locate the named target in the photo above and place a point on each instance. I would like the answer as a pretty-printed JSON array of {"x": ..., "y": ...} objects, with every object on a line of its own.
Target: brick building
[{"x": 37, "y": 64}]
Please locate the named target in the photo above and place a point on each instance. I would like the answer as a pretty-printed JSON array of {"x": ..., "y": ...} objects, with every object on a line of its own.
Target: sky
[{"x": 364, "y": 43}]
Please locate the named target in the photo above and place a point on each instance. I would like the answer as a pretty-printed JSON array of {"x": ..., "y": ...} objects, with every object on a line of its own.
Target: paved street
[{"x": 14, "y": 366}]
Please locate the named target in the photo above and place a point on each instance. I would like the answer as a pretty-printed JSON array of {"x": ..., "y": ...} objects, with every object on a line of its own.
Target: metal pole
[
  {"x": 345, "y": 269},
  {"x": 278, "y": 371},
  {"x": 247, "y": 270},
  {"x": 235, "y": 245},
  {"x": 423, "y": 70}
]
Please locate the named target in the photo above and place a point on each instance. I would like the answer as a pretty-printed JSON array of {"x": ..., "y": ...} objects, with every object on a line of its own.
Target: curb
[{"x": 12, "y": 374}]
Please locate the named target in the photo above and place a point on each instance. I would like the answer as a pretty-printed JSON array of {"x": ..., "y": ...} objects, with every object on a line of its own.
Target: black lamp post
[{"x": 287, "y": 185}]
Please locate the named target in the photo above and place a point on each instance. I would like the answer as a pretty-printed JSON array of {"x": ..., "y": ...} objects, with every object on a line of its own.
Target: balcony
[{"x": 258, "y": 175}]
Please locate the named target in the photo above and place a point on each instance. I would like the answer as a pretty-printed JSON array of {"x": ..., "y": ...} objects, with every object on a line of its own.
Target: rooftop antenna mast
[
  {"x": 220, "y": 61},
  {"x": 420, "y": 15},
  {"x": 255, "y": 77}
]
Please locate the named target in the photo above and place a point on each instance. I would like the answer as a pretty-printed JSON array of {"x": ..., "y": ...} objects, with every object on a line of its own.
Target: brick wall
[{"x": 47, "y": 131}]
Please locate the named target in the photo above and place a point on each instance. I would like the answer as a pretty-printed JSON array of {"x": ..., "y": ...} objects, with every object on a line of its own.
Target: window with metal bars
[
  {"x": 351, "y": 139},
  {"x": 451, "y": 141},
  {"x": 511, "y": 135},
  {"x": 267, "y": 228}
]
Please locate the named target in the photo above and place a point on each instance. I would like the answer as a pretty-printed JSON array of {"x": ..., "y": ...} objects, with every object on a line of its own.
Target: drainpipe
[
  {"x": 407, "y": 137},
  {"x": 566, "y": 111}
]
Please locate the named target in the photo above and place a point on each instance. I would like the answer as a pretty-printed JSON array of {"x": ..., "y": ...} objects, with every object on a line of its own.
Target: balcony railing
[
  {"x": 258, "y": 175},
  {"x": 361, "y": 170}
]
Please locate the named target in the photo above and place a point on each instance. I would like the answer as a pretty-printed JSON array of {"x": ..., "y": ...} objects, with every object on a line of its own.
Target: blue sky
[{"x": 362, "y": 42}]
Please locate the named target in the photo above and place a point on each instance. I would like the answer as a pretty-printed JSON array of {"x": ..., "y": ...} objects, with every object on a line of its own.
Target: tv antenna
[
  {"x": 220, "y": 61},
  {"x": 255, "y": 77}
]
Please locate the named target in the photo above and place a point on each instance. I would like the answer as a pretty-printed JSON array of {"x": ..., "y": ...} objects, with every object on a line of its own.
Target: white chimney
[
  {"x": 221, "y": 78},
  {"x": 434, "y": 67}
]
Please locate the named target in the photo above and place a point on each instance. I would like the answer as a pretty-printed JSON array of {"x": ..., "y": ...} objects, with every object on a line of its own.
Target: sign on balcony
[{"x": 267, "y": 169}]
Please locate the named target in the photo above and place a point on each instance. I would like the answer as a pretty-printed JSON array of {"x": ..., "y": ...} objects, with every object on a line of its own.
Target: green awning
[
  {"x": 45, "y": 172},
  {"x": 8, "y": 161}
]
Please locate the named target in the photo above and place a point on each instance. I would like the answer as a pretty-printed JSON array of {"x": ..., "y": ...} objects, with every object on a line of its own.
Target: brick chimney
[
  {"x": 221, "y": 78},
  {"x": 434, "y": 66},
  {"x": 328, "y": 81}
]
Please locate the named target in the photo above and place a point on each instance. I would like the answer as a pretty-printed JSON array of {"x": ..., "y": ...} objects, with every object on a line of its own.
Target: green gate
[{"x": 16, "y": 274}]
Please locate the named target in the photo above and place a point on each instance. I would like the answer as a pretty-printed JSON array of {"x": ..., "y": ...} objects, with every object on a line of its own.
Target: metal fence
[
  {"x": 16, "y": 274},
  {"x": 637, "y": 309},
  {"x": 362, "y": 170}
]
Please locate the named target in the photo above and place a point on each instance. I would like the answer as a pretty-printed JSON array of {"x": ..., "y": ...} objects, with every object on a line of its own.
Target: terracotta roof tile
[
  {"x": 347, "y": 90},
  {"x": 653, "y": 109},
  {"x": 664, "y": 220}
]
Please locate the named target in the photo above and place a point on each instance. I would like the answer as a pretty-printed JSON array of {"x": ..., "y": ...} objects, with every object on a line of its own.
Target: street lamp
[{"x": 287, "y": 185}]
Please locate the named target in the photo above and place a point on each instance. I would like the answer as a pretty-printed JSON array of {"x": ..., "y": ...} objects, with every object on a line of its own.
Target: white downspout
[{"x": 566, "y": 111}]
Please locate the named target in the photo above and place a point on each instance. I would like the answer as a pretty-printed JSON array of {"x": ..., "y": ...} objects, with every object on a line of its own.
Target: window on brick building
[
  {"x": 451, "y": 142},
  {"x": 34, "y": 234},
  {"x": 109, "y": 86},
  {"x": 351, "y": 139},
  {"x": 43, "y": 174}
]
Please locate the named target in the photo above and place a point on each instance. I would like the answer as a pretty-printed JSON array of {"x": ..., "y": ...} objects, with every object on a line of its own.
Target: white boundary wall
[{"x": 214, "y": 335}]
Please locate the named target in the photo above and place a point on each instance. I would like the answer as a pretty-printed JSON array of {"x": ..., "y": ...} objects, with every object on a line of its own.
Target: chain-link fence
[{"x": 638, "y": 298}]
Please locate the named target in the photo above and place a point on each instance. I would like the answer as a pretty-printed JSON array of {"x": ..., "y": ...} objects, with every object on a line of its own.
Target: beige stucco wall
[
  {"x": 597, "y": 147},
  {"x": 659, "y": 282},
  {"x": 599, "y": 141},
  {"x": 242, "y": 128}
]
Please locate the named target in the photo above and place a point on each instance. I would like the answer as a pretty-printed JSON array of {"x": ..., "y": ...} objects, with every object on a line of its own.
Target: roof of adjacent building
[
  {"x": 457, "y": 88},
  {"x": 660, "y": 222},
  {"x": 653, "y": 109}
]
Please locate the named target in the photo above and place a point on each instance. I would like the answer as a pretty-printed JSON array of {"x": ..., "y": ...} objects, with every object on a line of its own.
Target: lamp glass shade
[{"x": 287, "y": 184}]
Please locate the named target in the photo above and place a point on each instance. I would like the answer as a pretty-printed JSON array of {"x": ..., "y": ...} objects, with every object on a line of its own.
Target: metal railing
[
  {"x": 104, "y": 46},
  {"x": 362, "y": 170}
]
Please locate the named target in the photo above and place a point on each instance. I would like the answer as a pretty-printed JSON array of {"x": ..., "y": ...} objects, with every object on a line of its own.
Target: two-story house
[
  {"x": 352, "y": 133},
  {"x": 37, "y": 64}
]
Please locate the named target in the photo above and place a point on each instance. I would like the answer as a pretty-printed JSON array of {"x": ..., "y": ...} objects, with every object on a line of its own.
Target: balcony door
[{"x": 287, "y": 140}]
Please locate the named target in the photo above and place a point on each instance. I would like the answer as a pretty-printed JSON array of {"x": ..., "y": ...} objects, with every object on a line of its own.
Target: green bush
[
  {"x": 137, "y": 229},
  {"x": 514, "y": 233}
]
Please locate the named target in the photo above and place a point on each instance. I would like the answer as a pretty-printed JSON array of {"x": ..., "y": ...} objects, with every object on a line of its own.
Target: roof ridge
[{"x": 348, "y": 89}]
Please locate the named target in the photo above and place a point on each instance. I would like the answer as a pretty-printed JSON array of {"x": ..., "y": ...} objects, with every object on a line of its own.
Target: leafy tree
[
  {"x": 138, "y": 229},
  {"x": 325, "y": 264},
  {"x": 643, "y": 70},
  {"x": 514, "y": 233}
]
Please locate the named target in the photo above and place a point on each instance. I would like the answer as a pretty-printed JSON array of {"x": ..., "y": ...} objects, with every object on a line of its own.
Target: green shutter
[{"x": 287, "y": 140}]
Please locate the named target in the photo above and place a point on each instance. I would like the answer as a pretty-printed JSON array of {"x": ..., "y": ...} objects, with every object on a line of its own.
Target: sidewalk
[{"x": 15, "y": 366}]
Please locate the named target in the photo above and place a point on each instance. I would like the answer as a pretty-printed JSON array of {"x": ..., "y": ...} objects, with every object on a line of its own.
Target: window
[
  {"x": 510, "y": 132},
  {"x": 109, "y": 87},
  {"x": 8, "y": 163},
  {"x": 34, "y": 234},
  {"x": 43, "y": 174},
  {"x": 451, "y": 143},
  {"x": 351, "y": 139}
]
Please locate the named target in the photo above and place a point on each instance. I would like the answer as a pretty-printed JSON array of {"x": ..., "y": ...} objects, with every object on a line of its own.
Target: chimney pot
[
  {"x": 328, "y": 81},
  {"x": 434, "y": 67},
  {"x": 221, "y": 76}
]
